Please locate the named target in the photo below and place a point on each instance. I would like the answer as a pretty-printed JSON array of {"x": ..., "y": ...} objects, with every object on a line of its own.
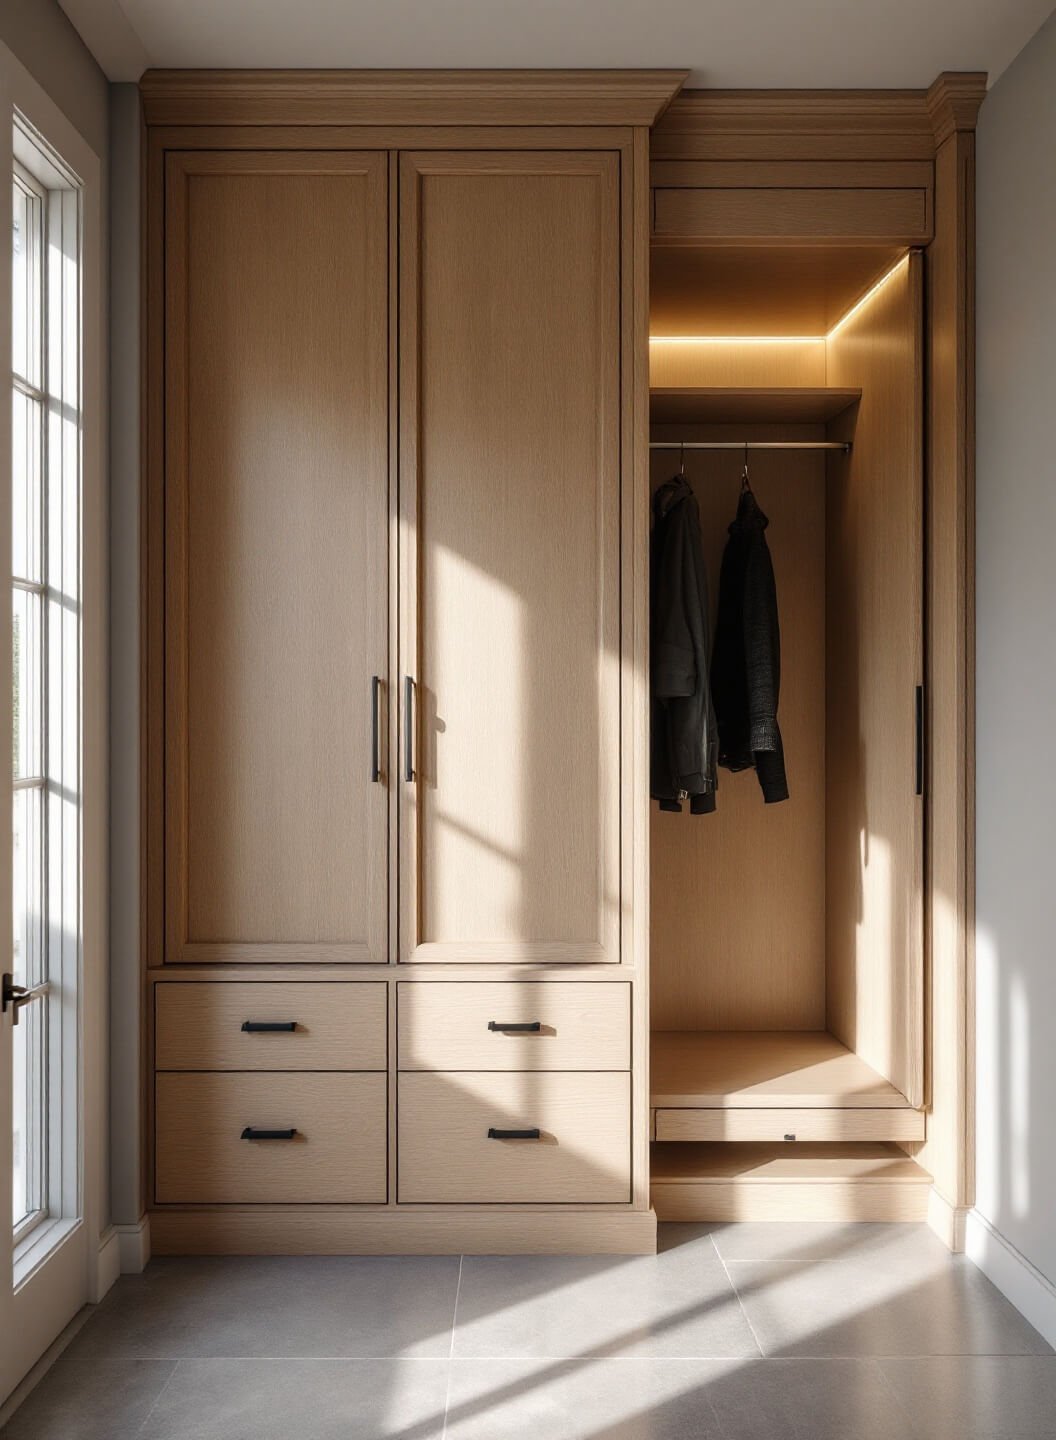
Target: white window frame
[{"x": 40, "y": 169}]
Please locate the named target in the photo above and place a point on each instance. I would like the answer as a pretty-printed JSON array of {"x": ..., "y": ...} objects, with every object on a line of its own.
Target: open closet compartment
[{"x": 787, "y": 939}]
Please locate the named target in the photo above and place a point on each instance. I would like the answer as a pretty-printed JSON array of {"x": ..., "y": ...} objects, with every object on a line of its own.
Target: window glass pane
[
  {"x": 26, "y": 312},
  {"x": 26, "y": 671},
  {"x": 26, "y": 548},
  {"x": 28, "y": 1191},
  {"x": 28, "y": 888}
]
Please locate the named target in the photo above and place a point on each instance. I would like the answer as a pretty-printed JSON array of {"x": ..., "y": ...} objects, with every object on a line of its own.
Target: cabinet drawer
[
  {"x": 773, "y": 1125},
  {"x": 807, "y": 214},
  {"x": 337, "y": 1156},
  {"x": 336, "y": 1026},
  {"x": 582, "y": 1153},
  {"x": 466, "y": 1026}
]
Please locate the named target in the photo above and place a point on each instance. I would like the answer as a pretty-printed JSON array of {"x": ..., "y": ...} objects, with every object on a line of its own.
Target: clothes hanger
[
  {"x": 682, "y": 460},
  {"x": 746, "y": 484}
]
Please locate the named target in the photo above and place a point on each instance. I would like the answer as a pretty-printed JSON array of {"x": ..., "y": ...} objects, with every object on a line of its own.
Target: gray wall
[
  {"x": 39, "y": 34},
  {"x": 1016, "y": 686}
]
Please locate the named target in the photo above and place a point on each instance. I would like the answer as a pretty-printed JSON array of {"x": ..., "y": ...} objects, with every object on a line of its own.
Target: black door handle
[
  {"x": 920, "y": 739},
  {"x": 260, "y": 1027},
  {"x": 516, "y": 1027},
  {"x": 250, "y": 1133},
  {"x": 375, "y": 730},
  {"x": 494, "y": 1134},
  {"x": 408, "y": 728}
]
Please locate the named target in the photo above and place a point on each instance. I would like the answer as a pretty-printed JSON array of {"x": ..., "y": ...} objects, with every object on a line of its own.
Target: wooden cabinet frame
[
  {"x": 604, "y": 112},
  {"x": 924, "y": 142}
]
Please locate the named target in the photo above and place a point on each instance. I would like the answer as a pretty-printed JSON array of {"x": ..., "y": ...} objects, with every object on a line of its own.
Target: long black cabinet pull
[
  {"x": 251, "y": 1133},
  {"x": 516, "y": 1027},
  {"x": 260, "y": 1027},
  {"x": 408, "y": 728},
  {"x": 494, "y": 1134},
  {"x": 920, "y": 739},
  {"x": 375, "y": 730}
]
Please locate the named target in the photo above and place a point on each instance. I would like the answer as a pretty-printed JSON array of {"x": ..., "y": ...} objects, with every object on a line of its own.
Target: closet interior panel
[
  {"x": 510, "y": 466},
  {"x": 738, "y": 912},
  {"x": 276, "y": 498},
  {"x": 875, "y": 573}
]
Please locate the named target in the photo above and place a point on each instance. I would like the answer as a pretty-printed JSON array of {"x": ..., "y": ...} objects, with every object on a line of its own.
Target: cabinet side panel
[{"x": 875, "y": 939}]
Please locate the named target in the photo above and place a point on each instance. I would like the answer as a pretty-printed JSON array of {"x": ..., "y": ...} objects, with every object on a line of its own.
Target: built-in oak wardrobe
[{"x": 425, "y": 969}]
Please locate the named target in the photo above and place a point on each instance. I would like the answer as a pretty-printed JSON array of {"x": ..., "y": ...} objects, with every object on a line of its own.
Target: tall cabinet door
[
  {"x": 276, "y": 481},
  {"x": 509, "y": 510}
]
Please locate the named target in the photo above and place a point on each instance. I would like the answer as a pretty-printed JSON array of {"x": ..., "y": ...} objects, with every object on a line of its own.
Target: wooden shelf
[
  {"x": 726, "y": 406},
  {"x": 764, "y": 1069},
  {"x": 787, "y": 1182}
]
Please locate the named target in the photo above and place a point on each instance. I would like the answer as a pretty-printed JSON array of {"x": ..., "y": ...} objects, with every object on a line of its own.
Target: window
[{"x": 45, "y": 638}]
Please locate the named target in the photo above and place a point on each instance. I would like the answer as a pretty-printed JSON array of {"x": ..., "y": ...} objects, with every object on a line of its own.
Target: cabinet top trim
[{"x": 408, "y": 97}]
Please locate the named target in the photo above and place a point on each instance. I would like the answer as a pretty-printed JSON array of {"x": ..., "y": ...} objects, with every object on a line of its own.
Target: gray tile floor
[{"x": 743, "y": 1332}]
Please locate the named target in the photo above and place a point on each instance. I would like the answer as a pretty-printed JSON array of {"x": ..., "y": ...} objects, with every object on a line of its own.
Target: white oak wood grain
[
  {"x": 764, "y": 1070},
  {"x": 510, "y": 443},
  {"x": 338, "y": 1154},
  {"x": 276, "y": 483},
  {"x": 446, "y": 1026},
  {"x": 583, "y": 1154},
  {"x": 746, "y": 214},
  {"x": 403, "y": 1230},
  {"x": 791, "y": 1182},
  {"x": 874, "y": 641},
  {"x": 339, "y": 1026},
  {"x": 789, "y": 1125}
]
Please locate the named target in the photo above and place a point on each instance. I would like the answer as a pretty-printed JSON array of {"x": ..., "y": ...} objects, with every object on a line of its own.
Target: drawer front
[
  {"x": 807, "y": 214},
  {"x": 337, "y": 1156},
  {"x": 784, "y": 1124},
  {"x": 456, "y": 1026},
  {"x": 582, "y": 1153},
  {"x": 336, "y": 1026}
]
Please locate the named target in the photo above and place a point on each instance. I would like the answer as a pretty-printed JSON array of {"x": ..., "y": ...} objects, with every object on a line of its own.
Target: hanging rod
[{"x": 843, "y": 445}]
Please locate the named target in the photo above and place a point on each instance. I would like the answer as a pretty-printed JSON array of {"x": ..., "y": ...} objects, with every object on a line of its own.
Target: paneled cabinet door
[
  {"x": 509, "y": 509},
  {"x": 276, "y": 479}
]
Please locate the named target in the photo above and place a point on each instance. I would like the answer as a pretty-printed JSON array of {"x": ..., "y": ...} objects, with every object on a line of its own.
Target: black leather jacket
[
  {"x": 684, "y": 741},
  {"x": 746, "y": 667}
]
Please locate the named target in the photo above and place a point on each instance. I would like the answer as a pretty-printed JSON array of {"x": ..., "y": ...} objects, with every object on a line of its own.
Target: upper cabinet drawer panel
[
  {"x": 216, "y": 1026},
  {"x": 548, "y": 1026},
  {"x": 791, "y": 214}
]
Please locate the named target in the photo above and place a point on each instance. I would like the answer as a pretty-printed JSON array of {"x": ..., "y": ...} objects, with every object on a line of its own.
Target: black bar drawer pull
[
  {"x": 262, "y": 1027},
  {"x": 251, "y": 1133},
  {"x": 516, "y": 1027},
  {"x": 494, "y": 1134},
  {"x": 920, "y": 739}
]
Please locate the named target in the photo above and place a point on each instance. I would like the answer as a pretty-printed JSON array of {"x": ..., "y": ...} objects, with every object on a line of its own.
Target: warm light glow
[
  {"x": 783, "y": 339},
  {"x": 898, "y": 265},
  {"x": 737, "y": 339}
]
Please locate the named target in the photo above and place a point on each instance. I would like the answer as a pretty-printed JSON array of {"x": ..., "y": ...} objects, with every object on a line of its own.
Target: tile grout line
[
  {"x": 157, "y": 1398},
  {"x": 737, "y": 1294},
  {"x": 451, "y": 1348}
]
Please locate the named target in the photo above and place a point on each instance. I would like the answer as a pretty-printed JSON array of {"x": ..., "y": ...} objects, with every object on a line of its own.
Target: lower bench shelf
[{"x": 787, "y": 1182}]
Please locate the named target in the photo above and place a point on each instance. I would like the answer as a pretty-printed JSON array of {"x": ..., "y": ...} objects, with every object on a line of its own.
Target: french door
[{"x": 44, "y": 1254}]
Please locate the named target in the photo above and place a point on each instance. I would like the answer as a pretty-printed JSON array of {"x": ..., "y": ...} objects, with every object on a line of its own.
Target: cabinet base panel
[{"x": 401, "y": 1232}]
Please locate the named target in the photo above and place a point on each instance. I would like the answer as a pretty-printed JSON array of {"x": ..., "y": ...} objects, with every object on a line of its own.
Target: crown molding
[
  {"x": 408, "y": 97},
  {"x": 954, "y": 100}
]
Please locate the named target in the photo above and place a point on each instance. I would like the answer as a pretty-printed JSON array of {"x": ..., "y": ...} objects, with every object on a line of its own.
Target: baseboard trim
[
  {"x": 401, "y": 1232},
  {"x": 134, "y": 1245},
  {"x": 947, "y": 1220},
  {"x": 1032, "y": 1293},
  {"x": 107, "y": 1265}
]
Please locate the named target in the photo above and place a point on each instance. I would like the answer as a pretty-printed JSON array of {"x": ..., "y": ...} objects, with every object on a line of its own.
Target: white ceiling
[{"x": 726, "y": 43}]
